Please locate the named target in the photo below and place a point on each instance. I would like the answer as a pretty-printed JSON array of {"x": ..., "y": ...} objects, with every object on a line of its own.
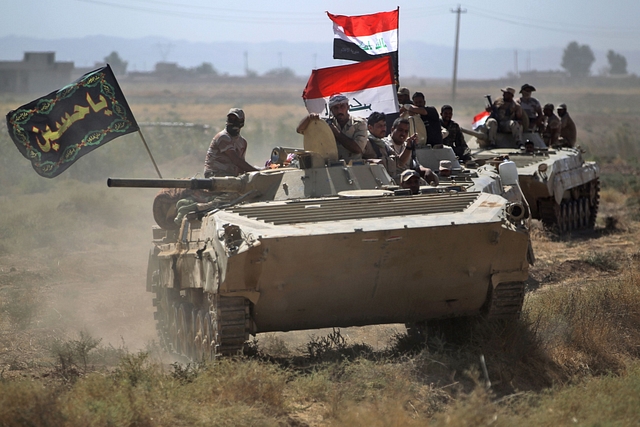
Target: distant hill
[{"x": 416, "y": 58}]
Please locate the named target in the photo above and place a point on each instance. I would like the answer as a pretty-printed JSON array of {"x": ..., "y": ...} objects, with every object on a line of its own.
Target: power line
[
  {"x": 523, "y": 23},
  {"x": 199, "y": 15}
]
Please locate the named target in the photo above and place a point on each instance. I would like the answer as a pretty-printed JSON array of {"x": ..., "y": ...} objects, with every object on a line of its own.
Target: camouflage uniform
[
  {"x": 377, "y": 148},
  {"x": 506, "y": 121},
  {"x": 216, "y": 162},
  {"x": 398, "y": 150},
  {"x": 356, "y": 129}
]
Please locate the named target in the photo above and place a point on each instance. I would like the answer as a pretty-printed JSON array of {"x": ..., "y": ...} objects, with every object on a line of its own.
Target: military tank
[
  {"x": 562, "y": 189},
  {"x": 327, "y": 244}
]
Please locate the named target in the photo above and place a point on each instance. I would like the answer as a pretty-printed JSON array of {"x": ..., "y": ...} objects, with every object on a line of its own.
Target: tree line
[{"x": 577, "y": 60}]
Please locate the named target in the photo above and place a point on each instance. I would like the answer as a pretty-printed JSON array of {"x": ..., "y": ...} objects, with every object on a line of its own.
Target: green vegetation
[{"x": 577, "y": 59}]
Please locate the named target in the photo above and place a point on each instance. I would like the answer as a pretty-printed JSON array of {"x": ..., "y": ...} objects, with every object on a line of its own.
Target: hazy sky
[{"x": 486, "y": 24}]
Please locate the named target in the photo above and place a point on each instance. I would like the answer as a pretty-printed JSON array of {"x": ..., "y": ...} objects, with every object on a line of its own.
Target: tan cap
[
  {"x": 509, "y": 89},
  {"x": 408, "y": 174},
  {"x": 404, "y": 91},
  {"x": 445, "y": 164},
  {"x": 236, "y": 112}
]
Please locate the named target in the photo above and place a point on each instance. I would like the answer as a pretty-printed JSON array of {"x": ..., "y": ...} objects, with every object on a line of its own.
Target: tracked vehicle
[
  {"x": 333, "y": 245},
  {"x": 562, "y": 189}
]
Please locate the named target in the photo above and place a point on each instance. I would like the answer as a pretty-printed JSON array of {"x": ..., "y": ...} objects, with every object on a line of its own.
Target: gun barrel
[
  {"x": 222, "y": 184},
  {"x": 478, "y": 135}
]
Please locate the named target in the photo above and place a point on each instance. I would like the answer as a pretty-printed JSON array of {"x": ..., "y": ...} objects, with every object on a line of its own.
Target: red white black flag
[
  {"x": 368, "y": 85},
  {"x": 365, "y": 37}
]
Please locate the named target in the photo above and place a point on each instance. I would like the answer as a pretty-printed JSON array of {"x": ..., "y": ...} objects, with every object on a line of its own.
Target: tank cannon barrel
[
  {"x": 227, "y": 184},
  {"x": 470, "y": 132}
]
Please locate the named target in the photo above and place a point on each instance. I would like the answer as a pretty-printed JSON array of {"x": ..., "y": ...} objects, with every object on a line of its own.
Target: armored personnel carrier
[
  {"x": 327, "y": 244},
  {"x": 562, "y": 189}
]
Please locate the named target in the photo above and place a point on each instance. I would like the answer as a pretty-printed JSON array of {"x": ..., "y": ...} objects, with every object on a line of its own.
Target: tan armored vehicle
[
  {"x": 327, "y": 244},
  {"x": 562, "y": 189}
]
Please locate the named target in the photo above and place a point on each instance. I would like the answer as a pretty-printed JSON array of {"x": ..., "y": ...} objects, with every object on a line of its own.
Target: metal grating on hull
[{"x": 343, "y": 209}]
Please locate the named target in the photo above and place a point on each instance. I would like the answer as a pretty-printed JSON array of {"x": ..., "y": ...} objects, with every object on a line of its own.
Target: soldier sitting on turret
[
  {"x": 531, "y": 108},
  {"x": 350, "y": 131},
  {"x": 225, "y": 156},
  {"x": 506, "y": 116}
]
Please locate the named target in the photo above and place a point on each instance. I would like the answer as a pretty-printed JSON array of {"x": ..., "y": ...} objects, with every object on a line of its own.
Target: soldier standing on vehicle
[
  {"x": 531, "y": 107},
  {"x": 551, "y": 131},
  {"x": 568, "y": 133},
  {"x": 350, "y": 131},
  {"x": 506, "y": 117},
  {"x": 454, "y": 139},
  {"x": 225, "y": 156}
]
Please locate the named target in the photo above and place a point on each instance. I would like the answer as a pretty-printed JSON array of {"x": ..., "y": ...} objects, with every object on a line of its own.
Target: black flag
[{"x": 56, "y": 130}]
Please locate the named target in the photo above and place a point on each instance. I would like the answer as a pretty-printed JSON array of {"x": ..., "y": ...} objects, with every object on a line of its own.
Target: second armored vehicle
[{"x": 562, "y": 189}]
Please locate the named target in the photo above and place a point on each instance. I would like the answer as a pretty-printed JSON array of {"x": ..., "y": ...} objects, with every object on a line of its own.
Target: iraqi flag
[
  {"x": 368, "y": 85},
  {"x": 479, "y": 119},
  {"x": 365, "y": 37}
]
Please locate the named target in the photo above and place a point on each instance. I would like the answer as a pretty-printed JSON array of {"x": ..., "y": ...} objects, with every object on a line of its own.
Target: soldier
[
  {"x": 531, "y": 107},
  {"x": 411, "y": 179},
  {"x": 403, "y": 145},
  {"x": 568, "y": 134},
  {"x": 506, "y": 117},
  {"x": 350, "y": 131},
  {"x": 454, "y": 139},
  {"x": 225, "y": 156},
  {"x": 551, "y": 131},
  {"x": 376, "y": 148},
  {"x": 430, "y": 117}
]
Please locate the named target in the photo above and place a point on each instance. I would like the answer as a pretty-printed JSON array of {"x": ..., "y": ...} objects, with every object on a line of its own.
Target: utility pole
[
  {"x": 455, "y": 55},
  {"x": 246, "y": 63}
]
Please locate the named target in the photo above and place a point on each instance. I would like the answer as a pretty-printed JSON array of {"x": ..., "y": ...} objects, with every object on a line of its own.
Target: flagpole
[
  {"x": 398, "y": 53},
  {"x": 149, "y": 151}
]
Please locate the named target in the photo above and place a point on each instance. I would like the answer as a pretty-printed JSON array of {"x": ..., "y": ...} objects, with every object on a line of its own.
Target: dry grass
[
  {"x": 572, "y": 359},
  {"x": 580, "y": 341}
]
